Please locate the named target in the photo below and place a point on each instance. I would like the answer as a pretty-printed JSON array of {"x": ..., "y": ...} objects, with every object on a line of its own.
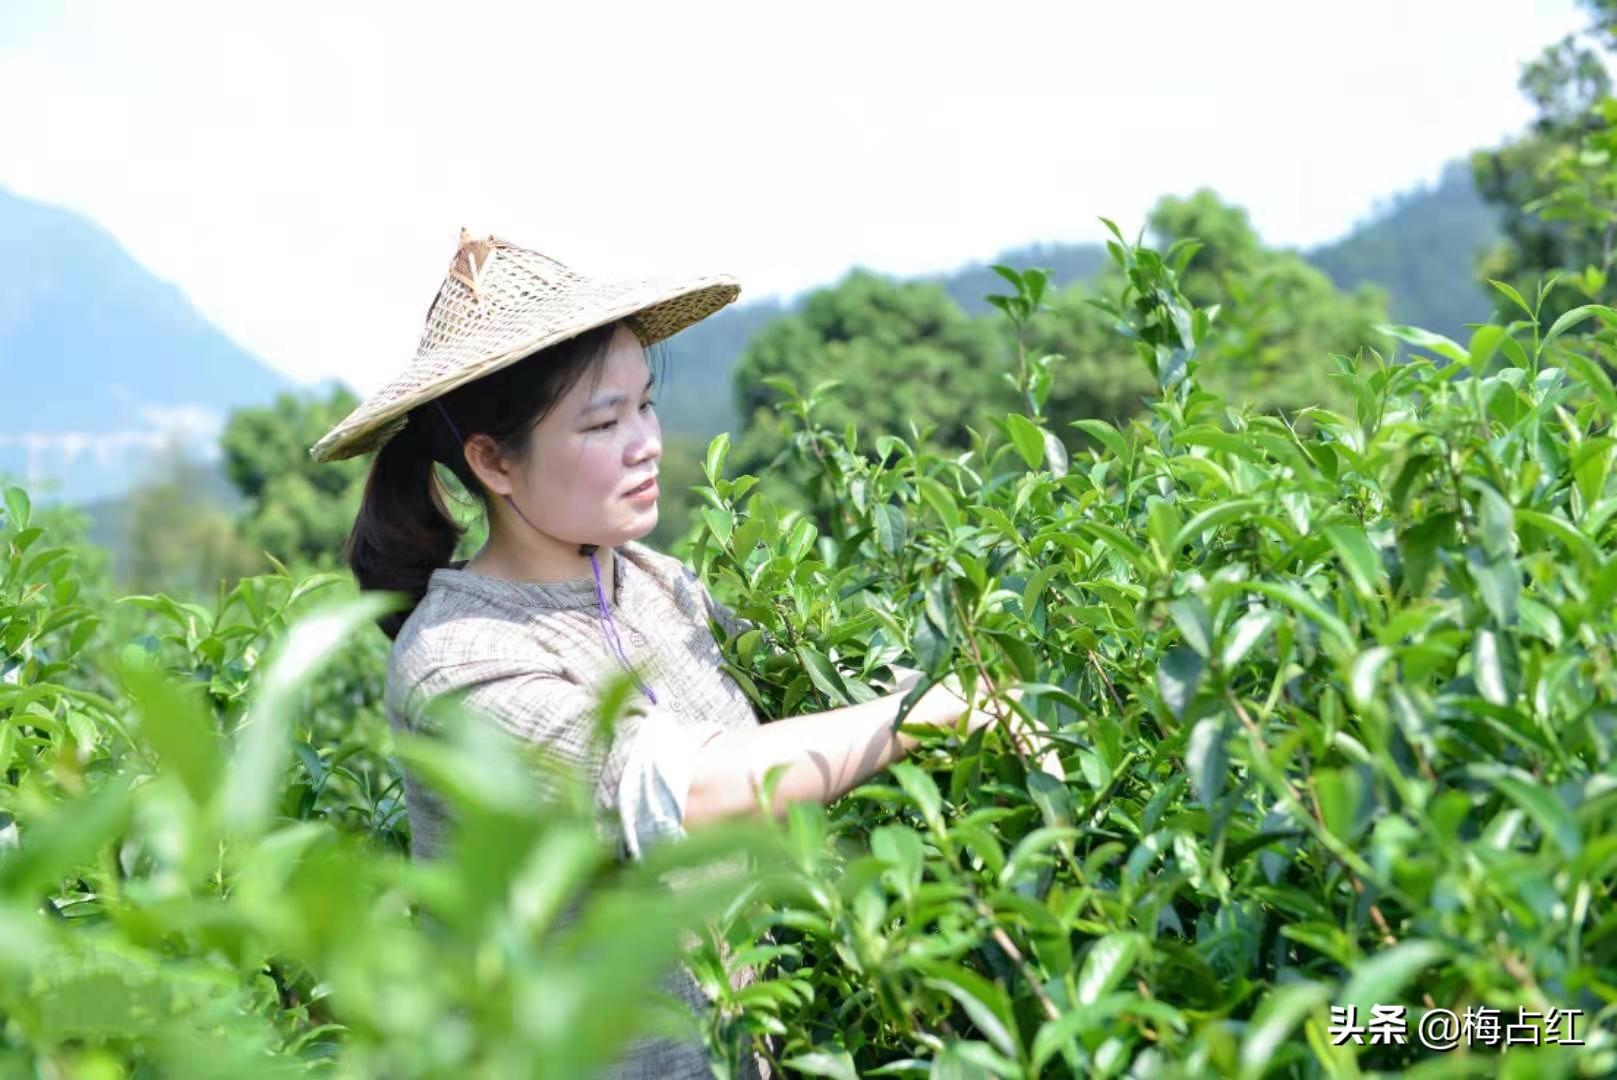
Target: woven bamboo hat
[{"x": 500, "y": 303}]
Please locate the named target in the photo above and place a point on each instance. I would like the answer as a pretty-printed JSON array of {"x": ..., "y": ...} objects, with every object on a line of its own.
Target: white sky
[{"x": 301, "y": 168}]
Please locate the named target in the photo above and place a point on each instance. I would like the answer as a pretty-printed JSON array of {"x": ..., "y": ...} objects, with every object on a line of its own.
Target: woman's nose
[{"x": 650, "y": 442}]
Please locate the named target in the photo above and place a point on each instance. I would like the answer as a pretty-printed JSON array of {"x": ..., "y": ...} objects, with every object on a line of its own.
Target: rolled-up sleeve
[
  {"x": 655, "y": 782},
  {"x": 642, "y": 778}
]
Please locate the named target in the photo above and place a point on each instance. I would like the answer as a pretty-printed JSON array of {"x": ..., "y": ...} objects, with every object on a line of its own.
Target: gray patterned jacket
[{"x": 531, "y": 656}]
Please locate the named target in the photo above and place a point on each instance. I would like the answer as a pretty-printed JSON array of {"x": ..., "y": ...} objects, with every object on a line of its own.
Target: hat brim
[{"x": 653, "y": 308}]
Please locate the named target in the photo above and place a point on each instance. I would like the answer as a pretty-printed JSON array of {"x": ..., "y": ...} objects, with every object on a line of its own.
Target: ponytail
[{"x": 403, "y": 531}]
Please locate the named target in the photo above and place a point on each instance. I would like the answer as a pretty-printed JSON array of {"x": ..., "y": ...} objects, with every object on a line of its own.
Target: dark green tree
[
  {"x": 904, "y": 353},
  {"x": 297, "y": 509},
  {"x": 1554, "y": 184},
  {"x": 1280, "y": 318}
]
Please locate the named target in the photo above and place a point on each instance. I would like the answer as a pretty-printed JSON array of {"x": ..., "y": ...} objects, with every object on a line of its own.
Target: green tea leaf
[
  {"x": 1547, "y": 812},
  {"x": 1499, "y": 584},
  {"x": 1381, "y": 978},
  {"x": 836, "y": 1064},
  {"x": 824, "y": 675},
  {"x": 18, "y": 509},
  {"x": 982, "y": 1001},
  {"x": 1497, "y": 671},
  {"x": 1207, "y": 758},
  {"x": 1573, "y": 318},
  {"x": 1056, "y": 459},
  {"x": 1354, "y": 549},
  {"x": 1195, "y": 623},
  {"x": 1179, "y": 673},
  {"x": 1282, "y": 1009},
  {"x": 1031, "y": 847},
  {"x": 264, "y": 744},
  {"x": 1114, "y": 539},
  {"x": 1028, "y": 439},
  {"x": 1107, "y": 435},
  {"x": 1304, "y": 604},
  {"x": 920, "y": 787},
  {"x": 721, "y": 522},
  {"x": 66, "y": 840},
  {"x": 1247, "y": 631},
  {"x": 1514, "y": 296},
  {"x": 1366, "y": 674},
  {"x": 717, "y": 451},
  {"x": 1214, "y": 517},
  {"x": 1341, "y": 792},
  {"x": 941, "y": 500},
  {"x": 900, "y": 849},
  {"x": 173, "y": 719},
  {"x": 890, "y": 529},
  {"x": 1107, "y": 963},
  {"x": 1427, "y": 340},
  {"x": 1595, "y": 378},
  {"x": 1578, "y": 544}
]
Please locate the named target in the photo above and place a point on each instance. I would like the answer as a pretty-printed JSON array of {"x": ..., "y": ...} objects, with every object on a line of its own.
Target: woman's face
[{"x": 598, "y": 443}]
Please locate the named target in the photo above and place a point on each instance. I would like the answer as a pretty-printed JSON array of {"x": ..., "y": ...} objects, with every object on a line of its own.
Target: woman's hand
[{"x": 944, "y": 703}]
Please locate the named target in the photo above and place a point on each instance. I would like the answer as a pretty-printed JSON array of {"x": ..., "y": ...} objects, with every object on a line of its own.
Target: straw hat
[{"x": 500, "y": 303}]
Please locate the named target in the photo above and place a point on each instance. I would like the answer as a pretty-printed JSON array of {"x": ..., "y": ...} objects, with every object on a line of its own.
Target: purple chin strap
[{"x": 609, "y": 628}]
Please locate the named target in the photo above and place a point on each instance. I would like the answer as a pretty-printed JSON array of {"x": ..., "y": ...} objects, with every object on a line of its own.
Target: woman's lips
[{"x": 648, "y": 490}]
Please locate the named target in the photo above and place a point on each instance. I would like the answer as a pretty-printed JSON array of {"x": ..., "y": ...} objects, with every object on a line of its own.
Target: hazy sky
[{"x": 301, "y": 169}]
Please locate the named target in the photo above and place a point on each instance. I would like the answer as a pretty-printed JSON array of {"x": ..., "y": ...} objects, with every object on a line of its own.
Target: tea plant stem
[
  {"x": 1316, "y": 823},
  {"x": 1021, "y": 363},
  {"x": 1388, "y": 938},
  {"x": 1282, "y": 787},
  {"x": 1522, "y": 974},
  {"x": 982, "y": 671},
  {"x": 1110, "y": 786},
  {"x": 1105, "y": 679},
  {"x": 1003, "y": 940}
]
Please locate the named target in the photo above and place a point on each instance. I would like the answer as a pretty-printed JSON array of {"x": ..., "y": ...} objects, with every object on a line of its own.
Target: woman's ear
[{"x": 483, "y": 457}]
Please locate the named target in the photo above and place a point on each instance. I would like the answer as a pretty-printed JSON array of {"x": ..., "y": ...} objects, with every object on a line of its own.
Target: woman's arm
[{"x": 826, "y": 754}]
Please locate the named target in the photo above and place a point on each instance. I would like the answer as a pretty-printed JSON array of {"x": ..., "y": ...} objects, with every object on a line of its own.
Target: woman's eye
[{"x": 610, "y": 423}]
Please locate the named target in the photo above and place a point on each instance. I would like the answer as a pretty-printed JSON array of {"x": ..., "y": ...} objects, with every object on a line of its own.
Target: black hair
[{"x": 404, "y": 530}]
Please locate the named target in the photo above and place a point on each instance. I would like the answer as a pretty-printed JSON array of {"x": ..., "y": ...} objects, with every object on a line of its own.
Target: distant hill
[
  {"x": 1422, "y": 248},
  {"x": 100, "y": 358}
]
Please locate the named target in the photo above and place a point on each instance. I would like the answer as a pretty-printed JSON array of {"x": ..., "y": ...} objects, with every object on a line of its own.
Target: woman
[{"x": 531, "y": 384}]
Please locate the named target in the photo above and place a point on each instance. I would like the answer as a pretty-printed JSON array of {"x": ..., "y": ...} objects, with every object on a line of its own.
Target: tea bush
[{"x": 1335, "y": 693}]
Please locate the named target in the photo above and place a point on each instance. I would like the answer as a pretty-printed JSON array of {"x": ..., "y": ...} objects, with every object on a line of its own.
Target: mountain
[
  {"x": 103, "y": 360},
  {"x": 1422, "y": 248}
]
